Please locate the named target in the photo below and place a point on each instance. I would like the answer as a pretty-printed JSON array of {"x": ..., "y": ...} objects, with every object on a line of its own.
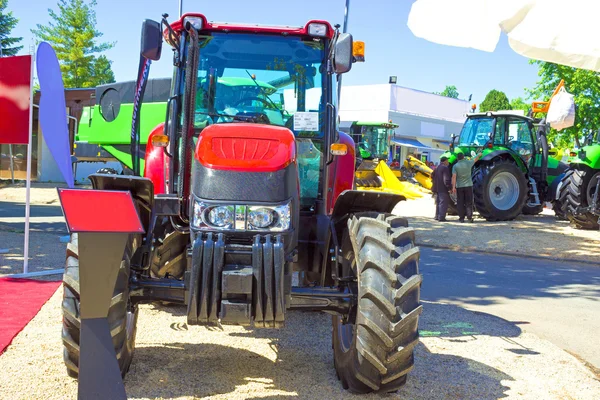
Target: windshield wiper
[
  {"x": 262, "y": 90},
  {"x": 253, "y": 118}
]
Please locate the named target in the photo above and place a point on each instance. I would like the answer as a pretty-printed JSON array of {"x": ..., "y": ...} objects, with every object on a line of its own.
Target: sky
[{"x": 391, "y": 48}]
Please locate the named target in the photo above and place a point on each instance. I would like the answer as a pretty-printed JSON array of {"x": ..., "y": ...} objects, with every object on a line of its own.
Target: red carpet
[{"x": 20, "y": 301}]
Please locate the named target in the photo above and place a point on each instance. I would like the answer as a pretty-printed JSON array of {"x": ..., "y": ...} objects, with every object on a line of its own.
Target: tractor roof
[
  {"x": 512, "y": 113},
  {"x": 227, "y": 27},
  {"x": 370, "y": 123}
]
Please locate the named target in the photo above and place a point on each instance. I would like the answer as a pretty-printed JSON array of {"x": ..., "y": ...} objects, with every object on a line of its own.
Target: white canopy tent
[{"x": 558, "y": 31}]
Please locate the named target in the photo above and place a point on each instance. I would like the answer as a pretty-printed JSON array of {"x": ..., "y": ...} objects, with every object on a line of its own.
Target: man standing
[
  {"x": 462, "y": 185},
  {"x": 442, "y": 184}
]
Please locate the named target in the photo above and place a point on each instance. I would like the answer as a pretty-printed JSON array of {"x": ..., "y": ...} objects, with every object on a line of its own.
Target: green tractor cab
[
  {"x": 578, "y": 190},
  {"x": 515, "y": 174}
]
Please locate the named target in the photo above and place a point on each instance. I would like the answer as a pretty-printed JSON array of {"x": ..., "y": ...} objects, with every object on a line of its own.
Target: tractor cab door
[{"x": 521, "y": 140}]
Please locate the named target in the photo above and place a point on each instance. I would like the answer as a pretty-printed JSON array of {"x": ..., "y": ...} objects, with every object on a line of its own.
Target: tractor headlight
[
  {"x": 221, "y": 216},
  {"x": 260, "y": 217},
  {"x": 274, "y": 218}
]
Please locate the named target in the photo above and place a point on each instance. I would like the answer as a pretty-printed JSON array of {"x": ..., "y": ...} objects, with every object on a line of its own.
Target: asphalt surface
[
  {"x": 557, "y": 301},
  {"x": 46, "y": 218}
]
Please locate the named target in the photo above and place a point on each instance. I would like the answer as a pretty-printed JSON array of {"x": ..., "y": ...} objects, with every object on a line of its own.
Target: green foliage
[
  {"x": 519, "y": 104},
  {"x": 7, "y": 24},
  {"x": 73, "y": 35},
  {"x": 584, "y": 85},
  {"x": 449, "y": 91},
  {"x": 495, "y": 100}
]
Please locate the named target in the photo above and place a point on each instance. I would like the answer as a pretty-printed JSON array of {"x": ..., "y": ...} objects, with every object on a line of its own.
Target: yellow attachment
[
  {"x": 160, "y": 140},
  {"x": 544, "y": 106},
  {"x": 358, "y": 51},
  {"x": 338, "y": 149}
]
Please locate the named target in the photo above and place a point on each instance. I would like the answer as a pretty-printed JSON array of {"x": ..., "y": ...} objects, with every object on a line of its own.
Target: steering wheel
[{"x": 251, "y": 99}]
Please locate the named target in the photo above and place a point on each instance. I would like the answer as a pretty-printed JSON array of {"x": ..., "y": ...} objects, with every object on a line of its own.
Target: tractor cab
[
  {"x": 372, "y": 139},
  {"x": 494, "y": 131}
]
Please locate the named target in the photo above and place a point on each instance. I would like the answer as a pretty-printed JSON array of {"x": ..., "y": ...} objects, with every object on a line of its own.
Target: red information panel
[
  {"x": 15, "y": 90},
  {"x": 99, "y": 211}
]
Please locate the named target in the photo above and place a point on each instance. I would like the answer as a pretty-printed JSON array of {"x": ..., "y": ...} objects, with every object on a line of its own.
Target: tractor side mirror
[
  {"x": 343, "y": 56},
  {"x": 151, "y": 46}
]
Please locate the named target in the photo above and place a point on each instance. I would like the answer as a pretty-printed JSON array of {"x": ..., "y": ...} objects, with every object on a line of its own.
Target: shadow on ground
[
  {"x": 303, "y": 365},
  {"x": 484, "y": 279}
]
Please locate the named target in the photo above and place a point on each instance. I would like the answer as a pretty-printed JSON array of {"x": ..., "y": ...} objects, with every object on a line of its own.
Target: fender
[
  {"x": 354, "y": 201},
  {"x": 341, "y": 172},
  {"x": 554, "y": 189},
  {"x": 504, "y": 152},
  {"x": 142, "y": 191},
  {"x": 155, "y": 167}
]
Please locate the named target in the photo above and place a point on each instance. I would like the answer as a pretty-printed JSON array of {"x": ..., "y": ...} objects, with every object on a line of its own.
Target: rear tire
[
  {"x": 373, "y": 351},
  {"x": 559, "y": 210},
  {"x": 533, "y": 210},
  {"x": 500, "y": 178},
  {"x": 576, "y": 191},
  {"x": 122, "y": 316}
]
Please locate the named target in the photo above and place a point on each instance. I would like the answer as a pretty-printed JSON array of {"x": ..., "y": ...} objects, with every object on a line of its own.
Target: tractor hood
[{"x": 246, "y": 147}]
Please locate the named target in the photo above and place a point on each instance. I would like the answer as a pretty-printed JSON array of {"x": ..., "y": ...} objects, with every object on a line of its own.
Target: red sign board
[
  {"x": 99, "y": 211},
  {"x": 15, "y": 92}
]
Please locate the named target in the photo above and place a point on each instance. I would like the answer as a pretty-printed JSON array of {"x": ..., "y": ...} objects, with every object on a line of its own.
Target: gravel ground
[
  {"x": 462, "y": 355},
  {"x": 40, "y": 193},
  {"x": 535, "y": 235}
]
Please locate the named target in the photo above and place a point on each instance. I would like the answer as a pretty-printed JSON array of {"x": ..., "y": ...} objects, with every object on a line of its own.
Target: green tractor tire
[
  {"x": 577, "y": 190},
  {"x": 499, "y": 190}
]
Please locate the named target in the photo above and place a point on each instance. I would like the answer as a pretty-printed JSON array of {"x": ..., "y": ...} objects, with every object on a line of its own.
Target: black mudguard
[
  {"x": 354, "y": 201},
  {"x": 142, "y": 190}
]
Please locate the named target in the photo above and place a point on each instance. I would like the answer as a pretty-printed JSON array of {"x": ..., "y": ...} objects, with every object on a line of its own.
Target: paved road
[
  {"x": 557, "y": 301},
  {"x": 47, "y": 218}
]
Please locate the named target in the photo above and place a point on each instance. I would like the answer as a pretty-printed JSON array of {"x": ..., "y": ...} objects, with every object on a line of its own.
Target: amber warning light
[{"x": 358, "y": 51}]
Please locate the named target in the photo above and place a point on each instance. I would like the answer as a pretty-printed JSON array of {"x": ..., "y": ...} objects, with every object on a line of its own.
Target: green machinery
[
  {"x": 578, "y": 191},
  {"x": 372, "y": 171},
  {"x": 515, "y": 174}
]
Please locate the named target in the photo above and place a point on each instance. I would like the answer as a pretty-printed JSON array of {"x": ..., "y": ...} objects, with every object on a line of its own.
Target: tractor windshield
[
  {"x": 268, "y": 79},
  {"x": 272, "y": 80},
  {"x": 375, "y": 142},
  {"x": 476, "y": 132}
]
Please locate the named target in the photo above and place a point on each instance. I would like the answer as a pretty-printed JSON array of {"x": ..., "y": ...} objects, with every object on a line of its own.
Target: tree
[
  {"x": 519, "y": 104},
  {"x": 495, "y": 100},
  {"x": 449, "y": 91},
  {"x": 73, "y": 35},
  {"x": 584, "y": 85},
  {"x": 7, "y": 24}
]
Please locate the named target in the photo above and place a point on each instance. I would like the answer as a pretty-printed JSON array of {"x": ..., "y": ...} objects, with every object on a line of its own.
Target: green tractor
[
  {"x": 578, "y": 189},
  {"x": 372, "y": 138},
  {"x": 515, "y": 174}
]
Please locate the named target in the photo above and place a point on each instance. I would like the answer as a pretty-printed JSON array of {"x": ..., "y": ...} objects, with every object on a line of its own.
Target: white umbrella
[{"x": 559, "y": 31}]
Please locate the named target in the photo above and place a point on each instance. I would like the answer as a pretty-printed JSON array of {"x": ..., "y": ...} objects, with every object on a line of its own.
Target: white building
[{"x": 425, "y": 120}]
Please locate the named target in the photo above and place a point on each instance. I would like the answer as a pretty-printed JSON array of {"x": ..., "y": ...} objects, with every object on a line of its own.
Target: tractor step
[{"x": 534, "y": 193}]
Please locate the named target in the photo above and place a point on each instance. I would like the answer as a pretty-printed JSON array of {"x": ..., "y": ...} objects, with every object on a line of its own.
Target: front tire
[
  {"x": 577, "y": 190},
  {"x": 122, "y": 315},
  {"x": 499, "y": 190},
  {"x": 373, "y": 351}
]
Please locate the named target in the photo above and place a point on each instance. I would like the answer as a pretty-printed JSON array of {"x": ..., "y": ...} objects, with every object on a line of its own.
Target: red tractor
[{"x": 246, "y": 209}]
